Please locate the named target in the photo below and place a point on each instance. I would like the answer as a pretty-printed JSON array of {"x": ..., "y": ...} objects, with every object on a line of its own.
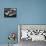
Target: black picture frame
[{"x": 10, "y": 12}]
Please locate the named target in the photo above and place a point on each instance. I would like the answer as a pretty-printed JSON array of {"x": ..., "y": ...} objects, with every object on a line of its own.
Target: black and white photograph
[{"x": 10, "y": 12}]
